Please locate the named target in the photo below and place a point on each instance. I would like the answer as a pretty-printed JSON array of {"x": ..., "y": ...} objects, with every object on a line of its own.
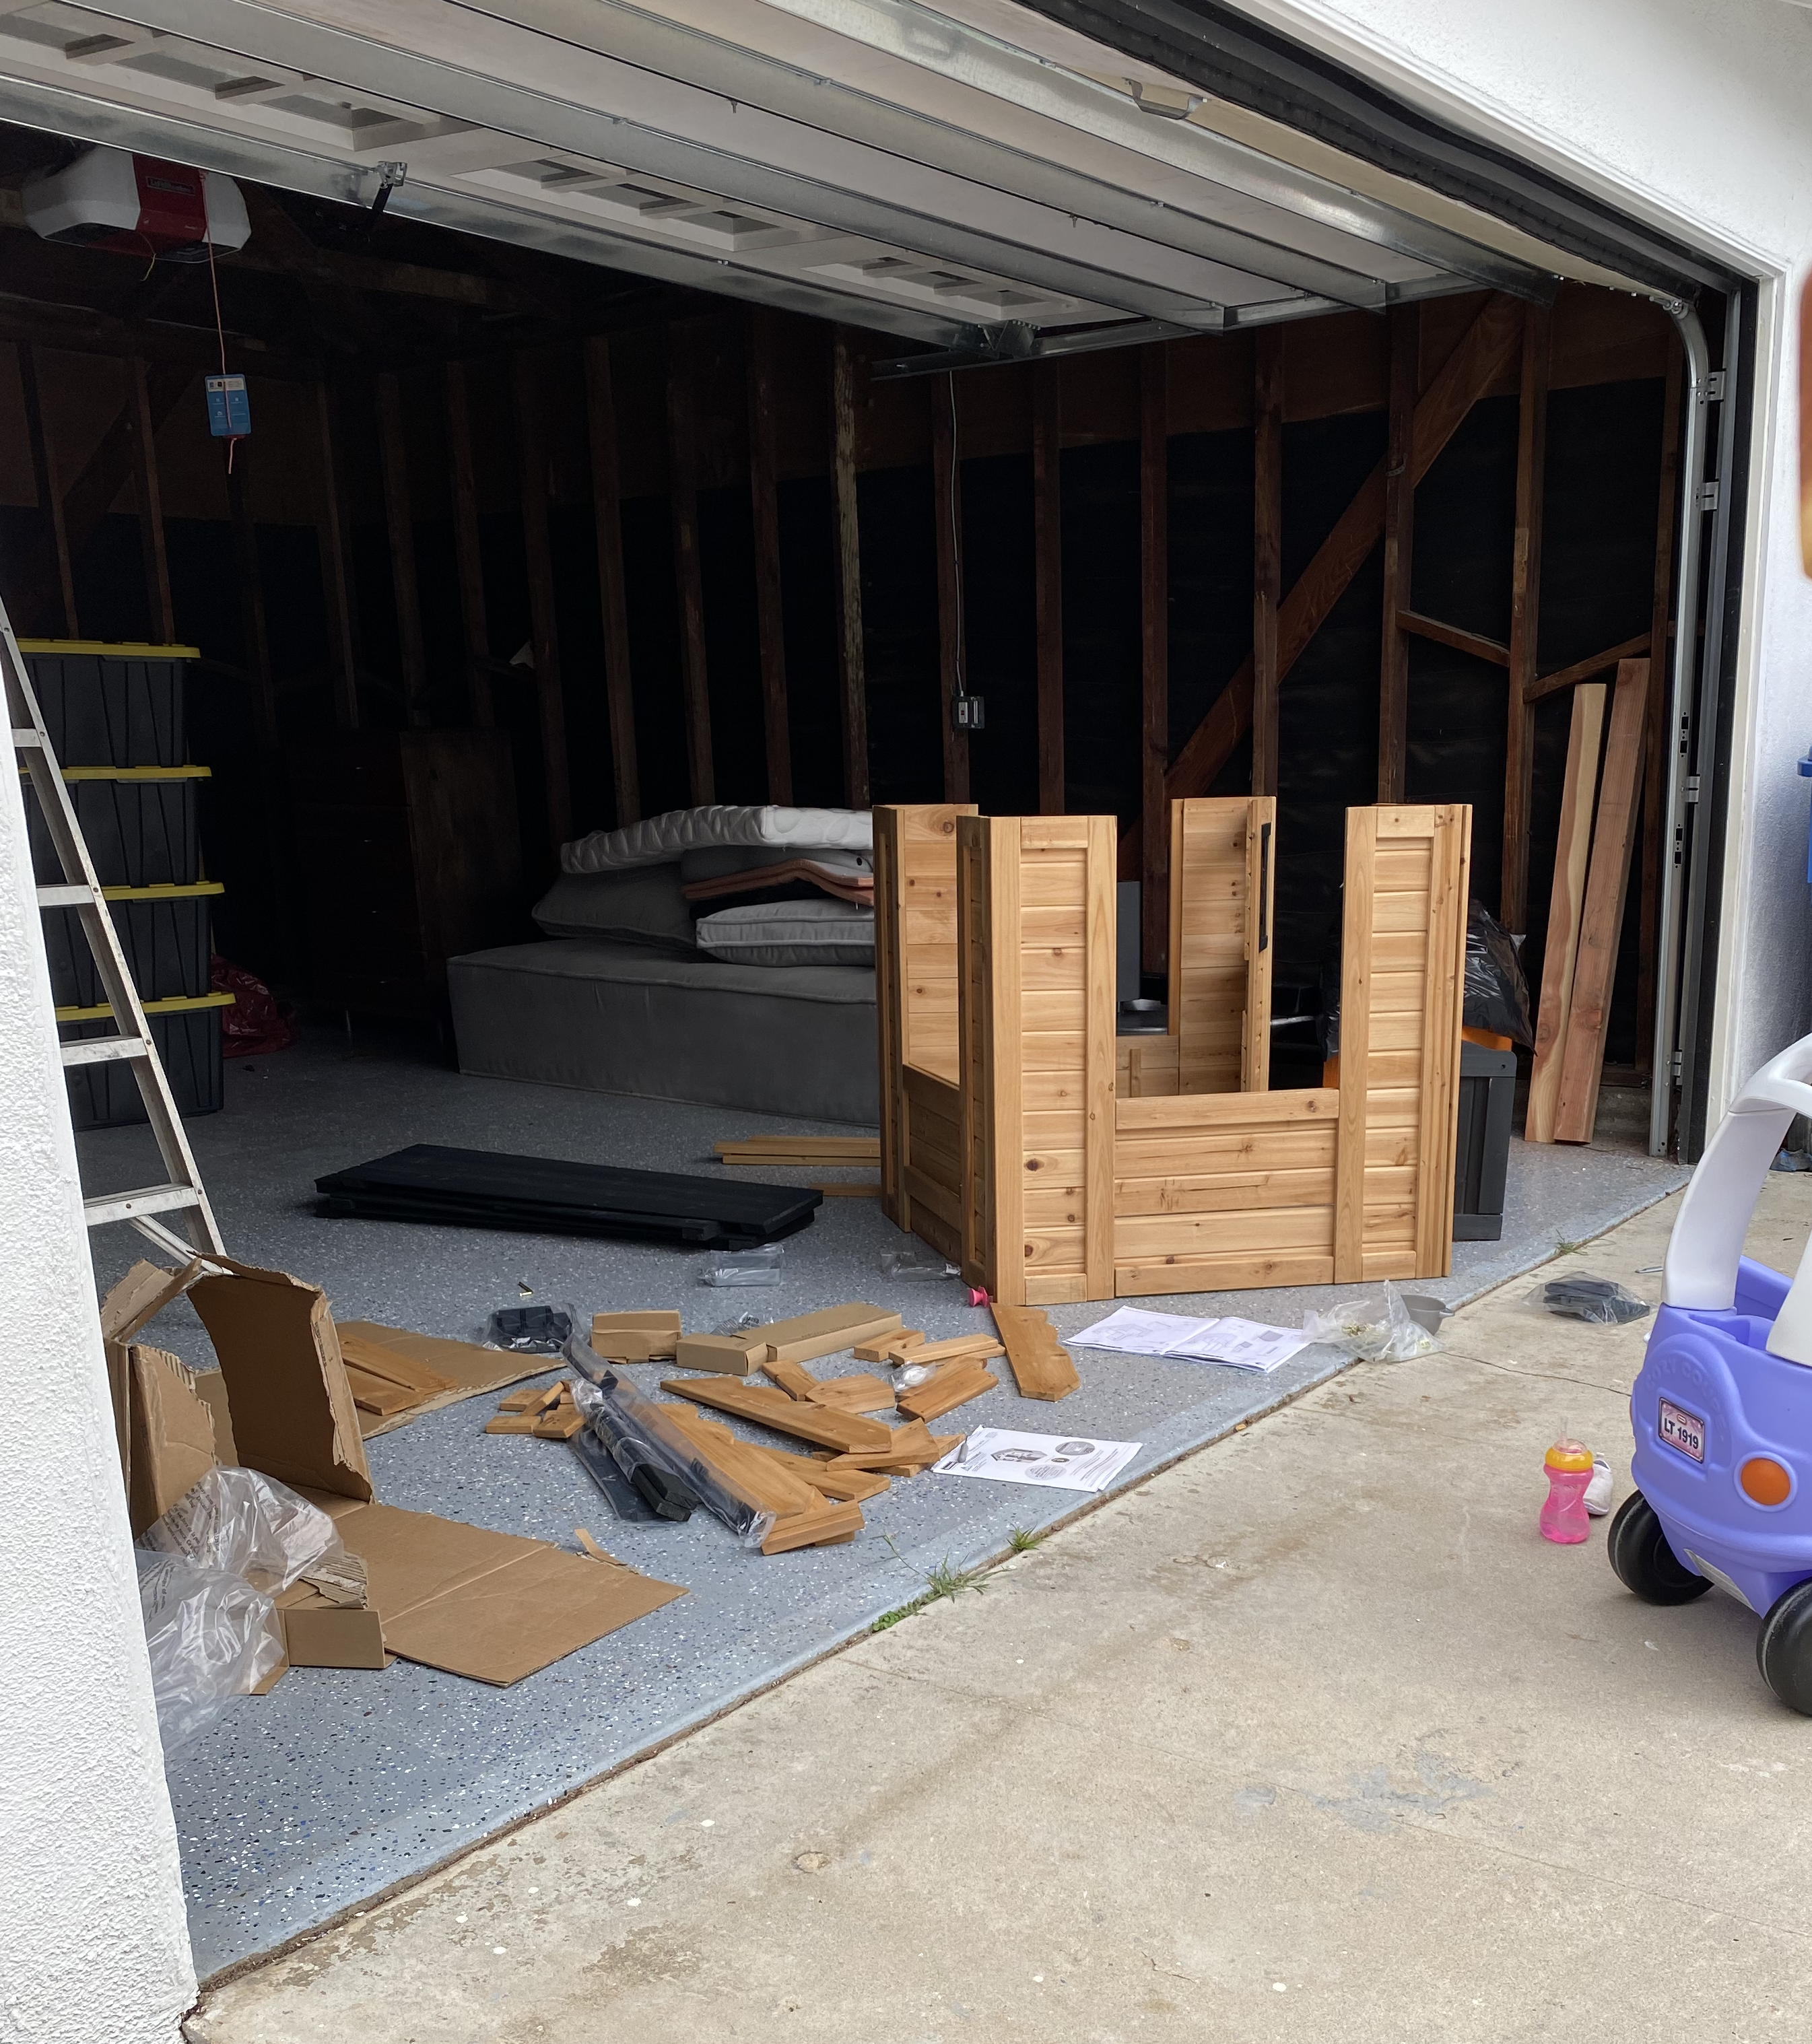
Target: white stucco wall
[
  {"x": 93, "y": 1949},
  {"x": 1694, "y": 115}
]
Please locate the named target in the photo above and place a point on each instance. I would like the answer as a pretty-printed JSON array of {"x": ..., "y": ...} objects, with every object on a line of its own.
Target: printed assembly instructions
[
  {"x": 1240, "y": 1344},
  {"x": 1054, "y": 1460}
]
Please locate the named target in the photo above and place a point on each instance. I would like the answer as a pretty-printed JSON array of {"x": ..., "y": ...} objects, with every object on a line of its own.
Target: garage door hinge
[
  {"x": 1714, "y": 387},
  {"x": 1707, "y": 498},
  {"x": 1675, "y": 1066},
  {"x": 1692, "y": 787}
]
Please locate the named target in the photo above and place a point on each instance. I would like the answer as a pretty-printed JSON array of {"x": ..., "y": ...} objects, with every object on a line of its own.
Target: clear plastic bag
[
  {"x": 531, "y": 1330},
  {"x": 915, "y": 1260},
  {"x": 1601, "y": 1301},
  {"x": 1382, "y": 1324},
  {"x": 211, "y": 1637},
  {"x": 660, "y": 1463},
  {"x": 253, "y": 1526},
  {"x": 730, "y": 1268}
]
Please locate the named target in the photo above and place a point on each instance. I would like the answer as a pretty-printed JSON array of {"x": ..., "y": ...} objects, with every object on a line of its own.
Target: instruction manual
[
  {"x": 1240, "y": 1344},
  {"x": 1057, "y": 1461}
]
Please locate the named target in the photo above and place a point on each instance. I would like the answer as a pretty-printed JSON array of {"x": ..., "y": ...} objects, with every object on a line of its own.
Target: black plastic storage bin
[
  {"x": 110, "y": 705},
  {"x": 1487, "y": 1101},
  {"x": 165, "y": 940},
  {"x": 188, "y": 1041},
  {"x": 140, "y": 825}
]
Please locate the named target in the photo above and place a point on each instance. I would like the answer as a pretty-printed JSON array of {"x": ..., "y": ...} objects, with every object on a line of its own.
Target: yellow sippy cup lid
[{"x": 1567, "y": 1453}]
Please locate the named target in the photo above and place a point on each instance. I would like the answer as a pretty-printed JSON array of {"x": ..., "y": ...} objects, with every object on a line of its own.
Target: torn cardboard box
[
  {"x": 493, "y": 1606},
  {"x": 397, "y": 1376}
]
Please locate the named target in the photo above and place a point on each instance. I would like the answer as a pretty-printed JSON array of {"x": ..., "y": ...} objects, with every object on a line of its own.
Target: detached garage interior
[{"x": 972, "y": 424}]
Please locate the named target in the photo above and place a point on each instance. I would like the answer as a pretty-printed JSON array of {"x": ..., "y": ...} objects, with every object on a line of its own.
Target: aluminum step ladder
[{"x": 181, "y": 1196}]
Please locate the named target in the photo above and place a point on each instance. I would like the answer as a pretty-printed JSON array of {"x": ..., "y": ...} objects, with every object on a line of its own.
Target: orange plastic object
[
  {"x": 1567, "y": 1454},
  {"x": 1764, "y": 1481}
]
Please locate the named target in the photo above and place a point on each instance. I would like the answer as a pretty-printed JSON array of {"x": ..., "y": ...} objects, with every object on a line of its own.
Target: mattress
[
  {"x": 656, "y": 839},
  {"x": 606, "y": 1017}
]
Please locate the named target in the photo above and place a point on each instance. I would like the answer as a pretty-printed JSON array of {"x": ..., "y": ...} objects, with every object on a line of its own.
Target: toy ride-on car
[{"x": 1722, "y": 1410}]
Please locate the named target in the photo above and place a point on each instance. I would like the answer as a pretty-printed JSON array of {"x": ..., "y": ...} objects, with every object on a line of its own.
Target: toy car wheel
[
  {"x": 1783, "y": 1648},
  {"x": 1642, "y": 1560}
]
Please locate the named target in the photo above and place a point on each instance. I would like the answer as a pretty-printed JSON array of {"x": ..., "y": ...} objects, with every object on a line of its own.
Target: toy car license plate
[{"x": 1682, "y": 1430}]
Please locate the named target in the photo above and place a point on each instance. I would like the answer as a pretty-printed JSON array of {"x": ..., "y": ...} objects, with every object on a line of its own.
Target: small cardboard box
[
  {"x": 493, "y": 1606},
  {"x": 650, "y": 1335}
]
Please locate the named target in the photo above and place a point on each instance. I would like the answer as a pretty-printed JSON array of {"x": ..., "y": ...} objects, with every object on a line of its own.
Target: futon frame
[{"x": 1057, "y": 1163}]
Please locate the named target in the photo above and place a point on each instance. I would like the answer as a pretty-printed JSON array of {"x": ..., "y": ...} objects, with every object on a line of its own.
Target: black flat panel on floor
[{"x": 548, "y": 1196}]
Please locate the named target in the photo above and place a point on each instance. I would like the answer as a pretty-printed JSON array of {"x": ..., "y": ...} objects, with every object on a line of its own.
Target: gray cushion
[
  {"x": 642, "y": 906},
  {"x": 780, "y": 934},
  {"x": 714, "y": 861}
]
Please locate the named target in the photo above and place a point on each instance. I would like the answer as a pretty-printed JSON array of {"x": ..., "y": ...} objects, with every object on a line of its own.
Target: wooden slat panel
[
  {"x": 1006, "y": 1087},
  {"x": 1145, "y": 1238},
  {"x": 1438, "y": 1142},
  {"x": 1049, "y": 1249},
  {"x": 1217, "y": 1274},
  {"x": 1226, "y": 1192},
  {"x": 890, "y": 933},
  {"x": 939, "y": 1095},
  {"x": 1055, "y": 1288},
  {"x": 1272, "y": 1148},
  {"x": 1051, "y": 883},
  {"x": 941, "y": 1199},
  {"x": 1055, "y": 834},
  {"x": 1219, "y": 1112},
  {"x": 1566, "y": 904}
]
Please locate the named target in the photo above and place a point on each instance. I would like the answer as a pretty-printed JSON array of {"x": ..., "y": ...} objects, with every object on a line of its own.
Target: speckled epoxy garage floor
[{"x": 302, "y": 1803}]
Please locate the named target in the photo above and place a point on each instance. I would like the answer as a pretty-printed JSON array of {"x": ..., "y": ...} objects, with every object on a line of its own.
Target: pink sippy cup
[{"x": 1569, "y": 1468}]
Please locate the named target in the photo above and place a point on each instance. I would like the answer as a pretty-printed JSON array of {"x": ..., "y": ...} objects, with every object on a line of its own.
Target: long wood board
[{"x": 1566, "y": 905}]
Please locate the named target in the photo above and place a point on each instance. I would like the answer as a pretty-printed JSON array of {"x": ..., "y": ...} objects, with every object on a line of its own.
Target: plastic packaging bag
[
  {"x": 1497, "y": 994},
  {"x": 660, "y": 1463},
  {"x": 211, "y": 1638},
  {"x": 251, "y": 1526},
  {"x": 620, "y": 1494},
  {"x": 1602, "y": 1300},
  {"x": 734, "y": 1267},
  {"x": 531, "y": 1330},
  {"x": 1381, "y": 1324},
  {"x": 915, "y": 1260}
]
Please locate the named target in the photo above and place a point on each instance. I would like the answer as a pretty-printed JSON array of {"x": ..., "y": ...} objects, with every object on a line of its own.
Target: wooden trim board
[{"x": 1566, "y": 905}]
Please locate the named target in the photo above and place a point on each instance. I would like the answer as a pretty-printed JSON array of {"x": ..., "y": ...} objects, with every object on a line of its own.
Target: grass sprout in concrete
[
  {"x": 1021, "y": 1540},
  {"x": 944, "y": 1581}
]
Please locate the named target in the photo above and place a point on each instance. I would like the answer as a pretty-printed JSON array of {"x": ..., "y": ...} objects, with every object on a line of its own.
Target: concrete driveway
[{"x": 1311, "y": 1738}]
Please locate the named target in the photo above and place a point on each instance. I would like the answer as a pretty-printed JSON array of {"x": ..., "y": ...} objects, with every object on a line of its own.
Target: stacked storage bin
[{"x": 114, "y": 714}]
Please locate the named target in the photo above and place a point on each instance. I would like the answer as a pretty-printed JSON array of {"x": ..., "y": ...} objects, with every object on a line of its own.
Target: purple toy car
[{"x": 1722, "y": 1410}]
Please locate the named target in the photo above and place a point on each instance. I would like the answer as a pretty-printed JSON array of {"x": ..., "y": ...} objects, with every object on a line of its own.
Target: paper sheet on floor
[
  {"x": 1240, "y": 1344},
  {"x": 1060, "y": 1462}
]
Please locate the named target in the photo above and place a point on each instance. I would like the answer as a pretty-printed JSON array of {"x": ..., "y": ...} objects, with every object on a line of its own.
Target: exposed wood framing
[
  {"x": 1475, "y": 643},
  {"x": 149, "y": 491},
  {"x": 1154, "y": 662},
  {"x": 467, "y": 550},
  {"x": 688, "y": 572},
  {"x": 852, "y": 686},
  {"x": 1483, "y": 354},
  {"x": 399, "y": 519},
  {"x": 254, "y": 638},
  {"x": 1525, "y": 616},
  {"x": 544, "y": 631},
  {"x": 1048, "y": 570},
  {"x": 1399, "y": 535},
  {"x": 947, "y": 520},
  {"x": 764, "y": 508},
  {"x": 613, "y": 589},
  {"x": 337, "y": 587},
  {"x": 1583, "y": 670},
  {"x": 1267, "y": 550},
  {"x": 1655, "y": 750},
  {"x": 45, "y": 480}
]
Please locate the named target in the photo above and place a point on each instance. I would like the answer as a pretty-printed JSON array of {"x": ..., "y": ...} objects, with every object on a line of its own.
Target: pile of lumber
[
  {"x": 803, "y": 1338},
  {"x": 958, "y": 1373},
  {"x": 549, "y": 1415},
  {"x": 1585, "y": 916}
]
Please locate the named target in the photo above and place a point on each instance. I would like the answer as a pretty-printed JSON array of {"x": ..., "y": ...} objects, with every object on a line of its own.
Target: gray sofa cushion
[
  {"x": 620, "y": 1018},
  {"x": 642, "y": 906}
]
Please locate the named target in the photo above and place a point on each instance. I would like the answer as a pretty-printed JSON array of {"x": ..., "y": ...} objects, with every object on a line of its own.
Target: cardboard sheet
[
  {"x": 491, "y": 1606},
  {"x": 467, "y": 1369}
]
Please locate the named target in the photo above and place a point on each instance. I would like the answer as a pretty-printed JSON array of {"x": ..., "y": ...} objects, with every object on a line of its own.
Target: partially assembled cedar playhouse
[{"x": 1057, "y": 1163}]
